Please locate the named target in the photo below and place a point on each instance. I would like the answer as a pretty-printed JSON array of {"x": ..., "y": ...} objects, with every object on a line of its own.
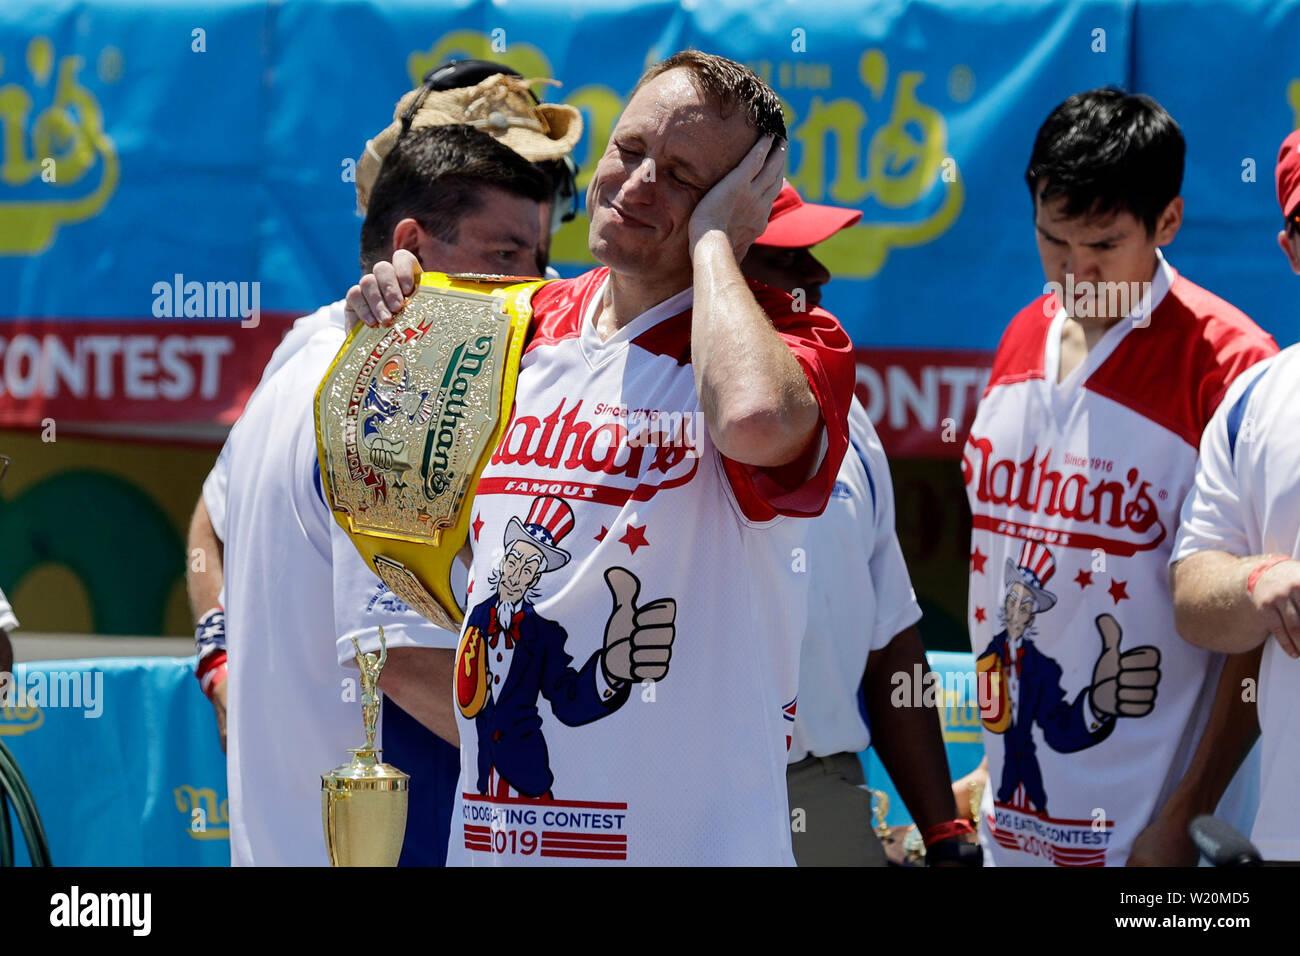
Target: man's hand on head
[
  {"x": 382, "y": 292},
  {"x": 740, "y": 203}
]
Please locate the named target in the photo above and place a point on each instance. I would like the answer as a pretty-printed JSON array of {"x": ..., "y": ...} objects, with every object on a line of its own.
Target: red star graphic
[
  {"x": 977, "y": 560},
  {"x": 1083, "y": 578},
  {"x": 477, "y": 525},
  {"x": 1118, "y": 590},
  {"x": 980, "y": 616},
  {"x": 634, "y": 538},
  {"x": 423, "y": 515},
  {"x": 603, "y": 531}
]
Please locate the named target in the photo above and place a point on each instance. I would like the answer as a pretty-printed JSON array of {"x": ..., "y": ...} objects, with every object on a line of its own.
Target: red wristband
[
  {"x": 942, "y": 831},
  {"x": 1260, "y": 569},
  {"x": 211, "y": 672}
]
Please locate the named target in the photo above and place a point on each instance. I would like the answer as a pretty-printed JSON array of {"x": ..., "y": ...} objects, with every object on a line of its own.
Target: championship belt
[{"x": 406, "y": 419}]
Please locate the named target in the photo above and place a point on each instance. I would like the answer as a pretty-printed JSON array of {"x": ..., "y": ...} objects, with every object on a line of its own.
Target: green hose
[
  {"x": 6, "y": 835},
  {"x": 15, "y": 787}
]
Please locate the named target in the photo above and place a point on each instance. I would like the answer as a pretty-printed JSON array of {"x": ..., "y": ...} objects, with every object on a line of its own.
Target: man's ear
[
  {"x": 1291, "y": 249},
  {"x": 1169, "y": 222},
  {"x": 408, "y": 235}
]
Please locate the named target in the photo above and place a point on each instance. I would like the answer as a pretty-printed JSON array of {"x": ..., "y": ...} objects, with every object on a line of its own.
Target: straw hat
[{"x": 501, "y": 106}]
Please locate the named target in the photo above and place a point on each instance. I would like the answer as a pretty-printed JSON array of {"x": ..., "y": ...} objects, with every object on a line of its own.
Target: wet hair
[
  {"x": 1106, "y": 151},
  {"x": 436, "y": 175},
  {"x": 730, "y": 85}
]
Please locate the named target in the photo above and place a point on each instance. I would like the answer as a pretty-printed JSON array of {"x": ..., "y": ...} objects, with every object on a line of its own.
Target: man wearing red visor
[{"x": 862, "y": 618}]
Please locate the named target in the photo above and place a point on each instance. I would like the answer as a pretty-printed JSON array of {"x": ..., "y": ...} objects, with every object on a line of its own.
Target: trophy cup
[
  {"x": 363, "y": 803},
  {"x": 406, "y": 419}
]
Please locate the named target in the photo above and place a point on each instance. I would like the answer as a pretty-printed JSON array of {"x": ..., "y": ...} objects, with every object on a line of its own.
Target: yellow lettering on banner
[
  {"x": 190, "y": 799},
  {"x": 20, "y": 720},
  {"x": 67, "y": 135}
]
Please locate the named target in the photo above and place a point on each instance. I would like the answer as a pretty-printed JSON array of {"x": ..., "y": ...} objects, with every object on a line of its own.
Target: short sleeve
[
  {"x": 363, "y": 604},
  {"x": 1213, "y": 516},
  {"x": 214, "y": 492},
  {"x": 825, "y": 354},
  {"x": 896, "y": 604}
]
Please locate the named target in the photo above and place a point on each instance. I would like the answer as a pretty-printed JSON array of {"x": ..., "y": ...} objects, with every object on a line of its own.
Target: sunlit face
[
  {"x": 1113, "y": 248},
  {"x": 787, "y": 270},
  {"x": 1018, "y": 609},
  {"x": 669, "y": 148},
  {"x": 504, "y": 237},
  {"x": 521, "y": 567}
]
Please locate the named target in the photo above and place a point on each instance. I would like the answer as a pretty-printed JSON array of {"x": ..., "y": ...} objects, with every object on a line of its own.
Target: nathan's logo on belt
[
  {"x": 1123, "y": 504},
  {"x": 465, "y": 364}
]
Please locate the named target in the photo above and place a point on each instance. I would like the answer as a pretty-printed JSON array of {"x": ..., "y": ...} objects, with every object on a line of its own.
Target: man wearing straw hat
[
  {"x": 459, "y": 91},
  {"x": 294, "y": 581}
]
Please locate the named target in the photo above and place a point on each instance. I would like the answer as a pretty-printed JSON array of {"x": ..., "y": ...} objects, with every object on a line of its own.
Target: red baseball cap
[
  {"x": 1288, "y": 173},
  {"x": 794, "y": 223}
]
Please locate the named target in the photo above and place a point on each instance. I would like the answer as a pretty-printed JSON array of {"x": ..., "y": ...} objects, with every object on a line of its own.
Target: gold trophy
[
  {"x": 406, "y": 420},
  {"x": 363, "y": 803}
]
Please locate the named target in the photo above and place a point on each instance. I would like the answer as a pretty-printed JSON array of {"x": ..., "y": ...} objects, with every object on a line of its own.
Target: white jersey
[
  {"x": 1246, "y": 500},
  {"x": 214, "y": 486},
  {"x": 8, "y": 620},
  {"x": 606, "y": 496},
  {"x": 859, "y": 597},
  {"x": 1074, "y": 491},
  {"x": 294, "y": 582}
]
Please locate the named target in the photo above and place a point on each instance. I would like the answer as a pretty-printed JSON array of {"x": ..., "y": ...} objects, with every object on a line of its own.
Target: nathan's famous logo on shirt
[
  {"x": 654, "y": 450},
  {"x": 1121, "y": 513},
  {"x": 465, "y": 364}
]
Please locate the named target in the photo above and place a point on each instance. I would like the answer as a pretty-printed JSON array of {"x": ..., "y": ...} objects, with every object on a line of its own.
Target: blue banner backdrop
[
  {"x": 122, "y": 757},
  {"x": 217, "y": 143}
]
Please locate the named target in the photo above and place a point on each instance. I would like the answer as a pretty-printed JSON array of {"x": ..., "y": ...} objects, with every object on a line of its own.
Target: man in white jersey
[
  {"x": 294, "y": 580},
  {"x": 1104, "y": 732},
  {"x": 862, "y": 632},
  {"x": 682, "y": 417},
  {"x": 549, "y": 150},
  {"x": 1236, "y": 564}
]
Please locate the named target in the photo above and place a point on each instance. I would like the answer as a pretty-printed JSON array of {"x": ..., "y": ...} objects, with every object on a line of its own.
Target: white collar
[{"x": 596, "y": 350}]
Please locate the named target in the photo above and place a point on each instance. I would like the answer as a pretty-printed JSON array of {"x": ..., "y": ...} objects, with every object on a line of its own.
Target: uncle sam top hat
[
  {"x": 549, "y": 520},
  {"x": 1034, "y": 570}
]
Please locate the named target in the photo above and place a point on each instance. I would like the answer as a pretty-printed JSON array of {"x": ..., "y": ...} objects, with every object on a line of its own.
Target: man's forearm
[
  {"x": 909, "y": 740},
  {"x": 420, "y": 680},
  {"x": 1212, "y": 608},
  {"x": 1230, "y": 732},
  {"x": 204, "y": 572},
  {"x": 754, "y": 394}
]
